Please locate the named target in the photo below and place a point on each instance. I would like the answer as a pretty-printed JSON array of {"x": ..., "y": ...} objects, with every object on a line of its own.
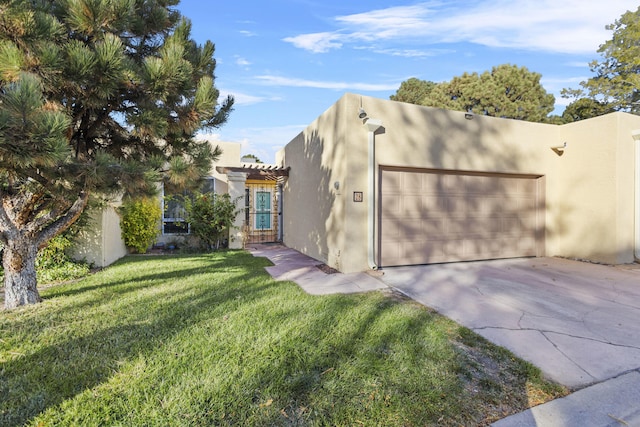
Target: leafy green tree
[
  {"x": 97, "y": 98},
  {"x": 506, "y": 91},
  {"x": 617, "y": 75},
  {"x": 210, "y": 217},
  {"x": 413, "y": 91}
]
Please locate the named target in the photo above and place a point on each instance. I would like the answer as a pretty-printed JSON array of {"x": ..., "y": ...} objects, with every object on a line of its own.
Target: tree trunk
[{"x": 20, "y": 282}]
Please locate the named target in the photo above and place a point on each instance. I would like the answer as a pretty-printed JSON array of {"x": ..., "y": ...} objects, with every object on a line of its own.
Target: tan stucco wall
[
  {"x": 591, "y": 198},
  {"x": 313, "y": 209},
  {"x": 230, "y": 157},
  {"x": 100, "y": 243},
  {"x": 589, "y": 189}
]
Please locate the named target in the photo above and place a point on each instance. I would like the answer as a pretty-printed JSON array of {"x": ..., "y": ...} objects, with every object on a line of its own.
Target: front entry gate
[{"x": 261, "y": 212}]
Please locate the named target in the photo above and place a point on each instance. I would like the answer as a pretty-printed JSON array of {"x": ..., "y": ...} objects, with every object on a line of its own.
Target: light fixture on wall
[
  {"x": 362, "y": 114},
  {"x": 559, "y": 149},
  {"x": 468, "y": 116}
]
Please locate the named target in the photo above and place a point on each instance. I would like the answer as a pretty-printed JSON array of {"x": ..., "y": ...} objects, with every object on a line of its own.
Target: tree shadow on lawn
[
  {"x": 56, "y": 372},
  {"x": 280, "y": 357},
  {"x": 145, "y": 279},
  {"x": 345, "y": 367}
]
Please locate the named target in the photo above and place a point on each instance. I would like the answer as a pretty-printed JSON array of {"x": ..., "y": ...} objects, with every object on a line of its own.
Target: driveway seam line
[{"x": 543, "y": 331}]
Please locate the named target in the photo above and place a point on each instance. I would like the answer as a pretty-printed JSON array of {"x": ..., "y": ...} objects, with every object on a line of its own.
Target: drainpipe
[
  {"x": 636, "y": 138},
  {"x": 372, "y": 126},
  {"x": 280, "y": 206}
]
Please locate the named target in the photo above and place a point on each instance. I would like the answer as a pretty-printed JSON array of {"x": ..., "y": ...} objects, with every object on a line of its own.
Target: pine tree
[
  {"x": 616, "y": 84},
  {"x": 97, "y": 98},
  {"x": 506, "y": 91}
]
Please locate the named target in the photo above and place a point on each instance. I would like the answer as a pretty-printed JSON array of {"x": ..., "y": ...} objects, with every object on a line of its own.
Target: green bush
[
  {"x": 210, "y": 217},
  {"x": 139, "y": 222},
  {"x": 54, "y": 265}
]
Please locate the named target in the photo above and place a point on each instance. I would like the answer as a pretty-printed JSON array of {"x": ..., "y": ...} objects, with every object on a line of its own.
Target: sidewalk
[{"x": 310, "y": 274}]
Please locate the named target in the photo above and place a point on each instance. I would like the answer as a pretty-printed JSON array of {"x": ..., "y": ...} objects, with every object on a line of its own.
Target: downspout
[
  {"x": 636, "y": 218},
  {"x": 372, "y": 126},
  {"x": 280, "y": 206}
]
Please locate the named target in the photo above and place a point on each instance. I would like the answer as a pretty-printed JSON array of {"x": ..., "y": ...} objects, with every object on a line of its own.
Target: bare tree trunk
[{"x": 20, "y": 283}]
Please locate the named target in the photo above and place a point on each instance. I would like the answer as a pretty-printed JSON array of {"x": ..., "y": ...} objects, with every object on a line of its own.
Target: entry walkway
[{"x": 310, "y": 274}]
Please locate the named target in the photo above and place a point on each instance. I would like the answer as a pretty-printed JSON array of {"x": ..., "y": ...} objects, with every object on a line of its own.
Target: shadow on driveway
[{"x": 578, "y": 322}]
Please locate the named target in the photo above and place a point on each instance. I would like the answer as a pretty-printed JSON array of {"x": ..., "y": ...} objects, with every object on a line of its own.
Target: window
[
  {"x": 173, "y": 213},
  {"x": 263, "y": 210},
  {"x": 174, "y": 217}
]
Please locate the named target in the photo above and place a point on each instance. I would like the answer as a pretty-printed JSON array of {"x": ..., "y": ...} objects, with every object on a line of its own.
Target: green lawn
[{"x": 213, "y": 340}]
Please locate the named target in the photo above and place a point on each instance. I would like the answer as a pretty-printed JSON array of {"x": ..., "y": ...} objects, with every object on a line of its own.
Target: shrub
[
  {"x": 54, "y": 265},
  {"x": 139, "y": 222},
  {"x": 210, "y": 217}
]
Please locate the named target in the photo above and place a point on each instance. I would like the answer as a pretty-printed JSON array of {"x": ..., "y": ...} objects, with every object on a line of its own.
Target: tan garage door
[{"x": 429, "y": 216}]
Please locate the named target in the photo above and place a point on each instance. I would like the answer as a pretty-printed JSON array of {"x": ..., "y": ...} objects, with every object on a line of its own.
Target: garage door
[{"x": 429, "y": 216}]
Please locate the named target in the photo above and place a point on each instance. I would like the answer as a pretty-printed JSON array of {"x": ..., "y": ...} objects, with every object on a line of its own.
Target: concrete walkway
[
  {"x": 578, "y": 322},
  {"x": 310, "y": 274}
]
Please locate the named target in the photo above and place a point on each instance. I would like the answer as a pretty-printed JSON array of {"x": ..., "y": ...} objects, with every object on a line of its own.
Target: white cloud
[
  {"x": 293, "y": 82},
  {"x": 408, "y": 53},
  {"x": 577, "y": 64},
  {"x": 247, "y": 33},
  {"x": 569, "y": 26},
  {"x": 562, "y": 102},
  {"x": 316, "y": 42},
  {"x": 242, "y": 62}
]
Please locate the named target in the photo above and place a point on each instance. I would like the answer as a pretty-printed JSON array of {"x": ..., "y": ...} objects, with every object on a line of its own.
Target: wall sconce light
[
  {"x": 336, "y": 185},
  {"x": 362, "y": 114},
  {"x": 559, "y": 149},
  {"x": 468, "y": 116}
]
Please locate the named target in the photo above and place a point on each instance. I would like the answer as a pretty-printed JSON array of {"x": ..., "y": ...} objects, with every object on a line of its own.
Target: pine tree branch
[{"x": 65, "y": 221}]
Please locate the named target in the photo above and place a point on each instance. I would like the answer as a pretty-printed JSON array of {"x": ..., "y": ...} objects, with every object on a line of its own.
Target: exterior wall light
[{"x": 559, "y": 149}]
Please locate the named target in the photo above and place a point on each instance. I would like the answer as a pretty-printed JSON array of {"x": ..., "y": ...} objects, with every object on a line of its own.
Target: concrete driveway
[{"x": 578, "y": 322}]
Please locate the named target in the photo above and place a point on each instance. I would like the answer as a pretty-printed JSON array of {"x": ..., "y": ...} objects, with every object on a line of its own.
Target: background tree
[
  {"x": 506, "y": 91},
  {"x": 251, "y": 158},
  {"x": 616, "y": 83},
  {"x": 413, "y": 91},
  {"x": 585, "y": 108},
  {"x": 97, "y": 97}
]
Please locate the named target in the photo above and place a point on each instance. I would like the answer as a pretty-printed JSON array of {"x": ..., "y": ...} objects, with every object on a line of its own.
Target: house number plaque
[{"x": 357, "y": 196}]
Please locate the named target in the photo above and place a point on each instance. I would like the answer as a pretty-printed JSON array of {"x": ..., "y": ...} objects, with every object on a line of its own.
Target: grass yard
[{"x": 213, "y": 340}]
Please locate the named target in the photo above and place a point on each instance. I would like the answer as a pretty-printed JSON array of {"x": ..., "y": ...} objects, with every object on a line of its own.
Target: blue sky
[{"x": 287, "y": 61}]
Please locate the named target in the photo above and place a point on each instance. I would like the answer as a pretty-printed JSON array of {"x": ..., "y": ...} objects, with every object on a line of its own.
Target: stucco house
[
  {"x": 101, "y": 242},
  {"x": 374, "y": 183}
]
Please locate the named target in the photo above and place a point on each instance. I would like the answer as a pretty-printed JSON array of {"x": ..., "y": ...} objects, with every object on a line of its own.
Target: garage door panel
[
  {"x": 413, "y": 205},
  {"x": 430, "y": 216},
  {"x": 391, "y": 205},
  {"x": 412, "y": 184},
  {"x": 432, "y": 227}
]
